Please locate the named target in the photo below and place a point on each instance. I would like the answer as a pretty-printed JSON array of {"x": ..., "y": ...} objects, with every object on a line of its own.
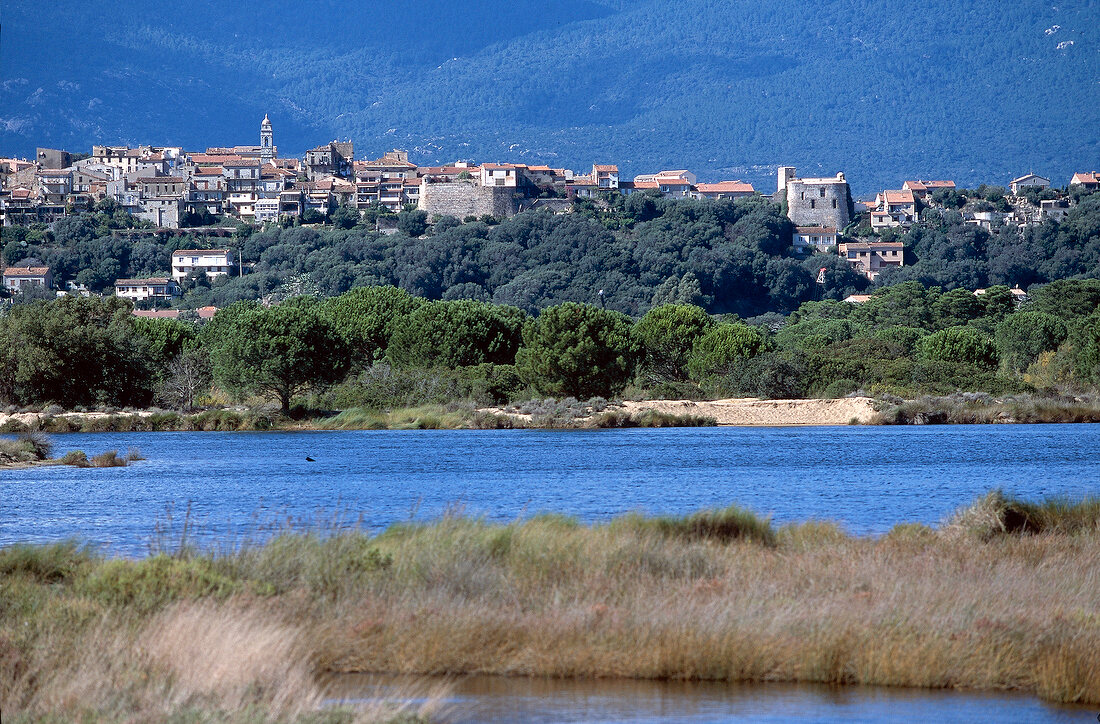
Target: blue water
[
  {"x": 557, "y": 701},
  {"x": 866, "y": 478}
]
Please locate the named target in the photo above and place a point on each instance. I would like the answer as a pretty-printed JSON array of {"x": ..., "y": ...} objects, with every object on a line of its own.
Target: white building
[
  {"x": 1029, "y": 181},
  {"x": 214, "y": 262},
  {"x": 819, "y": 238},
  {"x": 159, "y": 288}
]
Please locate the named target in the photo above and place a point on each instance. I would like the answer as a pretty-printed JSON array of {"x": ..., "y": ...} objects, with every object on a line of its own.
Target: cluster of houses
[{"x": 167, "y": 186}]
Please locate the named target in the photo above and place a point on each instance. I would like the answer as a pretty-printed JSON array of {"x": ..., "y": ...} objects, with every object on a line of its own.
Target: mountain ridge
[{"x": 969, "y": 91}]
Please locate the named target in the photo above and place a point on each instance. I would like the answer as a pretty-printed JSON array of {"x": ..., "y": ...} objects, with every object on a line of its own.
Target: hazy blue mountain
[{"x": 963, "y": 89}]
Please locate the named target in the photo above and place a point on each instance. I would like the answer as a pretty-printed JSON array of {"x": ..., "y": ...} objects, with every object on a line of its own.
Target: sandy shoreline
[
  {"x": 756, "y": 412},
  {"x": 742, "y": 411}
]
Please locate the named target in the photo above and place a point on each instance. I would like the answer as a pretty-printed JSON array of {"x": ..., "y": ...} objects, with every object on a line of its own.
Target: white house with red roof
[{"x": 1090, "y": 180}]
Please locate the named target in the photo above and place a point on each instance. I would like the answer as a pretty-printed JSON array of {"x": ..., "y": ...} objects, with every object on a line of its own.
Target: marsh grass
[
  {"x": 648, "y": 418},
  {"x": 980, "y": 408},
  {"x": 980, "y": 603},
  {"x": 109, "y": 459}
]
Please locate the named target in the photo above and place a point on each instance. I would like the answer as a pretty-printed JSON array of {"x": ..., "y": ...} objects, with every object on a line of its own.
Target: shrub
[
  {"x": 959, "y": 344},
  {"x": 37, "y": 443},
  {"x": 152, "y": 582},
  {"x": 47, "y": 563},
  {"x": 109, "y": 459},
  {"x": 76, "y": 458},
  {"x": 723, "y": 525},
  {"x": 998, "y": 514},
  {"x": 723, "y": 346}
]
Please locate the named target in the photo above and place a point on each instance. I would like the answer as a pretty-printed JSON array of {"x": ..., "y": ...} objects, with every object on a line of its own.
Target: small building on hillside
[
  {"x": 1089, "y": 180},
  {"x": 1018, "y": 295},
  {"x": 819, "y": 238},
  {"x": 335, "y": 158},
  {"x": 894, "y": 209},
  {"x": 606, "y": 176},
  {"x": 871, "y": 257},
  {"x": 21, "y": 278},
  {"x": 723, "y": 190},
  {"x": 1053, "y": 209},
  {"x": 1027, "y": 181},
  {"x": 214, "y": 262},
  {"x": 155, "y": 288},
  {"x": 923, "y": 189}
]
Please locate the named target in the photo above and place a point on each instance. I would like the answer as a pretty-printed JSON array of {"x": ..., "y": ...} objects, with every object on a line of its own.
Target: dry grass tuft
[{"x": 109, "y": 459}]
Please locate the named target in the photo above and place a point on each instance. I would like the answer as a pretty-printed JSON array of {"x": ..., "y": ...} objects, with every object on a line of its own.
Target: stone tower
[
  {"x": 815, "y": 201},
  {"x": 267, "y": 140},
  {"x": 786, "y": 175}
]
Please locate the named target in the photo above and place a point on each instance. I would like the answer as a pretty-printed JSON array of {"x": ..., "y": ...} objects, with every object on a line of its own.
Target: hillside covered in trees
[
  {"x": 629, "y": 256},
  {"x": 971, "y": 91}
]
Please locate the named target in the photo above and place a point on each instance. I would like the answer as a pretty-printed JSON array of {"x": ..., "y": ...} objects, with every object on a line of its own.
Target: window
[
  {"x": 811, "y": 203},
  {"x": 834, "y": 203},
  {"x": 822, "y": 191}
]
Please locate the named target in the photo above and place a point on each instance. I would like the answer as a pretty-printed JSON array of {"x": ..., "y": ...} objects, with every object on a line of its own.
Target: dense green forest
[
  {"x": 637, "y": 252},
  {"x": 970, "y": 91},
  {"x": 380, "y": 347}
]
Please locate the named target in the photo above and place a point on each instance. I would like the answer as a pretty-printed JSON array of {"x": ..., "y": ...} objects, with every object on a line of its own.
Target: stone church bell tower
[{"x": 267, "y": 140}]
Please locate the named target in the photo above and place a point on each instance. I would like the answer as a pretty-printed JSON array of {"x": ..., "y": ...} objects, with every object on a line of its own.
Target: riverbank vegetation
[
  {"x": 379, "y": 348},
  {"x": 33, "y": 448},
  {"x": 1002, "y": 595}
]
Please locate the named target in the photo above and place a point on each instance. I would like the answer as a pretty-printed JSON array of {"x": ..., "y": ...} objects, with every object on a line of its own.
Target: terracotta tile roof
[
  {"x": 54, "y": 172},
  {"x": 212, "y": 158},
  {"x": 151, "y": 281},
  {"x": 26, "y": 271},
  {"x": 1085, "y": 178},
  {"x": 902, "y": 196},
  {"x": 209, "y": 171},
  {"x": 206, "y": 312},
  {"x": 871, "y": 246},
  {"x": 820, "y": 230},
  {"x": 612, "y": 168},
  {"x": 157, "y": 313},
  {"x": 725, "y": 187},
  {"x": 673, "y": 182},
  {"x": 160, "y": 180},
  {"x": 199, "y": 252},
  {"x": 646, "y": 184}
]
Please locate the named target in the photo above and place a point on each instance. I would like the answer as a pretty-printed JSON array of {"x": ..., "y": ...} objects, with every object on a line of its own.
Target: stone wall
[
  {"x": 806, "y": 206},
  {"x": 466, "y": 198}
]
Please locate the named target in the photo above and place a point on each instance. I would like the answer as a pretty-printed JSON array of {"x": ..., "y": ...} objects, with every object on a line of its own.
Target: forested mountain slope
[{"x": 729, "y": 88}]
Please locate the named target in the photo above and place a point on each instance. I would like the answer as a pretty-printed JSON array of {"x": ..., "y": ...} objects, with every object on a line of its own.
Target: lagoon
[{"x": 866, "y": 478}]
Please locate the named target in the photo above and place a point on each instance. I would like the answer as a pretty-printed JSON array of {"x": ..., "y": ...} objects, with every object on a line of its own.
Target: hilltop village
[{"x": 169, "y": 188}]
